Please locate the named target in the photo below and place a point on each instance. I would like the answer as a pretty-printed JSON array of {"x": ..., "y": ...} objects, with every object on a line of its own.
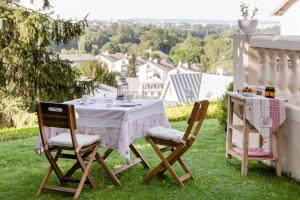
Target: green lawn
[{"x": 21, "y": 172}]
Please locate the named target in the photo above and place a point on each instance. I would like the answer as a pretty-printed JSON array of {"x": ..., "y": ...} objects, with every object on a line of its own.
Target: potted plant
[{"x": 248, "y": 24}]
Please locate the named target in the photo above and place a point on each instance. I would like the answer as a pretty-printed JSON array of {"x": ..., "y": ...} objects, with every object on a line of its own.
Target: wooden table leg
[
  {"x": 131, "y": 163},
  {"x": 229, "y": 129},
  {"x": 278, "y": 152},
  {"x": 138, "y": 155},
  {"x": 245, "y": 145},
  {"x": 108, "y": 171}
]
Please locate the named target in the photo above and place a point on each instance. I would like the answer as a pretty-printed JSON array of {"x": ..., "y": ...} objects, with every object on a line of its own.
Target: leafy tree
[
  {"x": 217, "y": 47},
  {"x": 30, "y": 68},
  {"x": 159, "y": 39},
  {"x": 111, "y": 47},
  {"x": 98, "y": 72},
  {"x": 190, "y": 50},
  {"x": 131, "y": 72}
]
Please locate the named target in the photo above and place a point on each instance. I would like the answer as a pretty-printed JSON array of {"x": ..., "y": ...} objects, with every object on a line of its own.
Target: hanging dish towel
[{"x": 265, "y": 114}]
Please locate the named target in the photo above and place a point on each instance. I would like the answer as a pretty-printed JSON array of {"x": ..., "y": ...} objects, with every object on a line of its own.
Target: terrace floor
[{"x": 21, "y": 172}]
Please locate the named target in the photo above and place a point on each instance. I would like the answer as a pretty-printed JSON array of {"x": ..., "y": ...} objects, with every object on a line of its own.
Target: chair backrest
[
  {"x": 197, "y": 116},
  {"x": 56, "y": 115}
]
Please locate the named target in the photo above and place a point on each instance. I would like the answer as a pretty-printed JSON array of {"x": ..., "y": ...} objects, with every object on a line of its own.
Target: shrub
[
  {"x": 182, "y": 113},
  {"x": 221, "y": 108},
  {"x": 13, "y": 113},
  {"x": 18, "y": 133}
]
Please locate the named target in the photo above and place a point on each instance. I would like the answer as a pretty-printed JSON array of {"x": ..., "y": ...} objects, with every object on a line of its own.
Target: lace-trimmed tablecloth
[{"x": 117, "y": 126}]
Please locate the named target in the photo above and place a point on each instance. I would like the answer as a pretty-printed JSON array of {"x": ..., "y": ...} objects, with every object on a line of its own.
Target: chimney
[
  {"x": 157, "y": 60},
  {"x": 180, "y": 63}
]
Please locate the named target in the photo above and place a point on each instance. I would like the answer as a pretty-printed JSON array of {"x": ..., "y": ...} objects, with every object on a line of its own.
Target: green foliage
[
  {"x": 98, "y": 72},
  {"x": 13, "y": 113},
  {"x": 218, "y": 49},
  {"x": 222, "y": 107},
  {"x": 34, "y": 71},
  {"x": 159, "y": 39},
  {"x": 182, "y": 113},
  {"x": 111, "y": 47},
  {"x": 131, "y": 71},
  {"x": 190, "y": 50},
  {"x": 18, "y": 133}
]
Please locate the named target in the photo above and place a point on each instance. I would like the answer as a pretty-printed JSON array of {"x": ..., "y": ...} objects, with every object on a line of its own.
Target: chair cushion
[
  {"x": 64, "y": 140},
  {"x": 163, "y": 133}
]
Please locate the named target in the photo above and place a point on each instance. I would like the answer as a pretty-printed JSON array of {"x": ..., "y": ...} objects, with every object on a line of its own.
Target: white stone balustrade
[
  {"x": 279, "y": 58},
  {"x": 273, "y": 60}
]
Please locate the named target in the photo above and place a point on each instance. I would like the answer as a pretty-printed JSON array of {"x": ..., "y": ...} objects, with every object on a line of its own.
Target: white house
[
  {"x": 184, "y": 68},
  {"x": 187, "y": 88},
  {"x": 77, "y": 59},
  {"x": 117, "y": 62},
  {"x": 152, "y": 76},
  {"x": 289, "y": 12}
]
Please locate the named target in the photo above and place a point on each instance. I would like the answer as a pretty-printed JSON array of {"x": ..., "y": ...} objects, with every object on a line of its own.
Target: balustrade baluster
[
  {"x": 273, "y": 75},
  {"x": 264, "y": 66},
  {"x": 294, "y": 73},
  {"x": 283, "y": 74}
]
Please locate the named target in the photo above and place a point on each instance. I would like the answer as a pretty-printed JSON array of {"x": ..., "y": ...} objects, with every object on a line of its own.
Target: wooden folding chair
[
  {"x": 177, "y": 142},
  {"x": 84, "y": 148}
]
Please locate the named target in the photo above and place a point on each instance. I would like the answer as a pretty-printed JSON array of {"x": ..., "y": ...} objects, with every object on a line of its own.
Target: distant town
[{"x": 168, "y": 59}]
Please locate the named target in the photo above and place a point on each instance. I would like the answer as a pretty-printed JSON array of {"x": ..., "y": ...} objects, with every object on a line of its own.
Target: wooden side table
[{"x": 245, "y": 129}]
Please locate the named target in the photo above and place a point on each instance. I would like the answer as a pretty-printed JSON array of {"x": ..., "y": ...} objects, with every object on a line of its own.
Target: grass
[
  {"x": 21, "y": 172},
  {"x": 182, "y": 113}
]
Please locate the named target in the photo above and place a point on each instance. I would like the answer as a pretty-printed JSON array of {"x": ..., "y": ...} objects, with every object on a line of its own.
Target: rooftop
[{"x": 77, "y": 57}]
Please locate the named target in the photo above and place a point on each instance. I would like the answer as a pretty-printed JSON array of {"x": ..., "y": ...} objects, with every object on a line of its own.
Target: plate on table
[
  {"x": 129, "y": 104},
  {"x": 248, "y": 94}
]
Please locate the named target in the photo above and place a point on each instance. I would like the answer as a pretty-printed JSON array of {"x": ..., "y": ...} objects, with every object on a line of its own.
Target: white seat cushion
[
  {"x": 163, "y": 133},
  {"x": 64, "y": 140}
]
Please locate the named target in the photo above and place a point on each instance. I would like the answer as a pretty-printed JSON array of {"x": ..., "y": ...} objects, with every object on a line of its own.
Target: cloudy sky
[{"x": 158, "y": 9}]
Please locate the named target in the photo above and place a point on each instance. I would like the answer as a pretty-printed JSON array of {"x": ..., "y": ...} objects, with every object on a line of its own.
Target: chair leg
[
  {"x": 45, "y": 180},
  {"x": 83, "y": 166},
  {"x": 154, "y": 172},
  {"x": 108, "y": 171},
  {"x": 47, "y": 175},
  {"x": 54, "y": 164},
  {"x": 185, "y": 168},
  {"x": 173, "y": 173},
  {"x": 86, "y": 171},
  {"x": 76, "y": 166},
  {"x": 107, "y": 153},
  {"x": 159, "y": 168}
]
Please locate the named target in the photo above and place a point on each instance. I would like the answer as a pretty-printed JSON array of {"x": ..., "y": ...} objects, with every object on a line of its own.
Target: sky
[{"x": 158, "y": 9}]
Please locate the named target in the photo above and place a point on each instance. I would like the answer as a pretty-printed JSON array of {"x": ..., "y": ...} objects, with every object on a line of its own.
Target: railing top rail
[{"x": 276, "y": 42}]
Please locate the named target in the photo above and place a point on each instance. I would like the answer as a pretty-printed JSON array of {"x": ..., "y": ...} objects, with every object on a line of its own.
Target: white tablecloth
[{"x": 117, "y": 126}]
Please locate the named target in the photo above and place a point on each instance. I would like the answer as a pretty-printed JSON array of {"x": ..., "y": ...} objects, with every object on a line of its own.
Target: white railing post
[
  {"x": 283, "y": 72},
  {"x": 294, "y": 73},
  {"x": 264, "y": 66},
  {"x": 273, "y": 75}
]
